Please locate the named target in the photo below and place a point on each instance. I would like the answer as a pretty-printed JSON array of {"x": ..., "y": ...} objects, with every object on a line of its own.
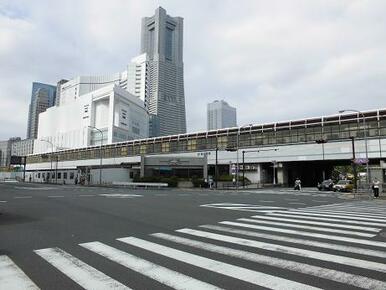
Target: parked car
[
  {"x": 343, "y": 186},
  {"x": 327, "y": 184}
]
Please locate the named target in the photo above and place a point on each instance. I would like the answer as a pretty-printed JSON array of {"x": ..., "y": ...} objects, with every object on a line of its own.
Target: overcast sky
[{"x": 272, "y": 60}]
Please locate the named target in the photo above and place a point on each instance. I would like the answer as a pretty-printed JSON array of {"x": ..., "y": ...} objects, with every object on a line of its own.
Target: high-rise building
[
  {"x": 162, "y": 42},
  {"x": 221, "y": 115},
  {"x": 42, "y": 97},
  {"x": 6, "y": 151},
  {"x": 59, "y": 90}
]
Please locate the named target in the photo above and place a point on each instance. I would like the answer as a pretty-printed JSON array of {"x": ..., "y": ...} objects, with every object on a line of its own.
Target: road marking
[
  {"x": 320, "y": 201},
  {"x": 337, "y": 276},
  {"x": 298, "y": 203},
  {"x": 289, "y": 214},
  {"x": 54, "y": 196},
  {"x": 376, "y": 230},
  {"x": 351, "y": 216},
  {"x": 161, "y": 274},
  {"x": 119, "y": 195},
  {"x": 3, "y": 201},
  {"x": 242, "y": 206},
  {"x": 291, "y": 199},
  {"x": 12, "y": 277},
  {"x": 358, "y": 209},
  {"x": 250, "y": 276},
  {"x": 86, "y": 276},
  {"x": 20, "y": 197},
  {"x": 359, "y": 263},
  {"x": 267, "y": 201},
  {"x": 86, "y": 195},
  {"x": 319, "y": 229},
  {"x": 324, "y": 245},
  {"x": 309, "y": 234},
  {"x": 347, "y": 212}
]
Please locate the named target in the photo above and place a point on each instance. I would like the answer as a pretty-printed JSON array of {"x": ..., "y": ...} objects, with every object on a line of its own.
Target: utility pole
[
  {"x": 100, "y": 153},
  {"x": 215, "y": 168},
  {"x": 354, "y": 166},
  {"x": 243, "y": 169}
]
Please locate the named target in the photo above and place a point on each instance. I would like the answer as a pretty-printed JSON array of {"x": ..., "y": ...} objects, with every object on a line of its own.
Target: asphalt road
[{"x": 66, "y": 237}]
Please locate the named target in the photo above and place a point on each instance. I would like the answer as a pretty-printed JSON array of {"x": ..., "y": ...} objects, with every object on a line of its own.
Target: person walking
[
  {"x": 298, "y": 184},
  {"x": 375, "y": 187}
]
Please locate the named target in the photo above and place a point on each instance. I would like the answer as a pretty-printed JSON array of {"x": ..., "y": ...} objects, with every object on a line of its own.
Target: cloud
[{"x": 273, "y": 60}]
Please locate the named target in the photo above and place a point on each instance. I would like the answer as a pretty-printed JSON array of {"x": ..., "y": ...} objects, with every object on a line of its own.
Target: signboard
[
  {"x": 360, "y": 161},
  {"x": 16, "y": 160},
  {"x": 233, "y": 169}
]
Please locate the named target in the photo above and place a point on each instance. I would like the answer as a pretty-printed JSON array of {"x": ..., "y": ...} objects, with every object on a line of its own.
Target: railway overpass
[{"x": 285, "y": 150}]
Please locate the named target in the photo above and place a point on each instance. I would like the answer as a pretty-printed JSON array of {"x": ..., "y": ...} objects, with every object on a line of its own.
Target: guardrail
[{"x": 140, "y": 184}]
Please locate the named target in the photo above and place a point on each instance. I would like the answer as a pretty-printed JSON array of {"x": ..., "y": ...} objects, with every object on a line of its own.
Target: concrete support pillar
[
  {"x": 142, "y": 166},
  {"x": 205, "y": 167},
  {"x": 282, "y": 174},
  {"x": 259, "y": 174}
]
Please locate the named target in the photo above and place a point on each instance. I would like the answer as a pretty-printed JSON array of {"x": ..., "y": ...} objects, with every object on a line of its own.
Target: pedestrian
[
  {"x": 375, "y": 187},
  {"x": 298, "y": 184}
]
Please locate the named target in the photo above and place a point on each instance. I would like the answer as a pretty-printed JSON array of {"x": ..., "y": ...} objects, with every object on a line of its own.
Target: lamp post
[
  {"x": 52, "y": 153},
  {"x": 215, "y": 168},
  {"x": 237, "y": 152},
  {"x": 251, "y": 151},
  {"x": 365, "y": 138},
  {"x": 100, "y": 153}
]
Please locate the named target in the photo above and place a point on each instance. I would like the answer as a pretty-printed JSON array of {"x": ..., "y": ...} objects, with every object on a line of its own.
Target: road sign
[
  {"x": 360, "y": 161},
  {"x": 233, "y": 169}
]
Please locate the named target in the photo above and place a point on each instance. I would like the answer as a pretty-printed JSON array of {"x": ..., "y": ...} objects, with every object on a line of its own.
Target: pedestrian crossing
[
  {"x": 242, "y": 206},
  {"x": 321, "y": 247}
]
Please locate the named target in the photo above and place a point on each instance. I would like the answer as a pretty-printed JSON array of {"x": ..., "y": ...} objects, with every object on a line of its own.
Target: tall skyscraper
[
  {"x": 58, "y": 91},
  {"x": 162, "y": 41},
  {"x": 221, "y": 115},
  {"x": 42, "y": 97}
]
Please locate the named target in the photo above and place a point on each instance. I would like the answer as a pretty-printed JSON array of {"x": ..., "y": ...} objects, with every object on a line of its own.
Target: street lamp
[
  {"x": 52, "y": 153},
  {"x": 100, "y": 153},
  {"x": 365, "y": 138},
  {"x": 251, "y": 151},
  {"x": 237, "y": 152}
]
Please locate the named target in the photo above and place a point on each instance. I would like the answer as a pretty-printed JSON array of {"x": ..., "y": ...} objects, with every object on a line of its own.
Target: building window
[
  {"x": 64, "y": 175},
  {"x": 59, "y": 175},
  {"x": 169, "y": 44},
  {"x": 71, "y": 175}
]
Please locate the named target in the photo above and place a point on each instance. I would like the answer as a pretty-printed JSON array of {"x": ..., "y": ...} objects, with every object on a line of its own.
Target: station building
[{"x": 279, "y": 151}]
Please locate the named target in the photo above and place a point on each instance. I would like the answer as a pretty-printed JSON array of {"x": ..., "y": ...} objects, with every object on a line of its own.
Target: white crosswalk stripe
[
  {"x": 161, "y": 274},
  {"x": 321, "y": 229},
  {"x": 83, "y": 274},
  {"x": 337, "y": 215},
  {"x": 292, "y": 215},
  {"x": 250, "y": 276},
  {"x": 12, "y": 277},
  {"x": 286, "y": 239},
  {"x": 325, "y": 248},
  {"x": 243, "y": 206},
  {"x": 308, "y": 234},
  {"x": 376, "y": 230},
  {"x": 338, "y": 276},
  {"x": 290, "y": 250}
]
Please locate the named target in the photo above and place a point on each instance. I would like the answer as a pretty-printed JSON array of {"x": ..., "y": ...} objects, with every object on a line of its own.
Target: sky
[{"x": 272, "y": 60}]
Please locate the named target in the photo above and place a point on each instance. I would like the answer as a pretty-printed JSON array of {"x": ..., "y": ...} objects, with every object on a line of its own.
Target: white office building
[
  {"x": 117, "y": 113},
  {"x": 220, "y": 115}
]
